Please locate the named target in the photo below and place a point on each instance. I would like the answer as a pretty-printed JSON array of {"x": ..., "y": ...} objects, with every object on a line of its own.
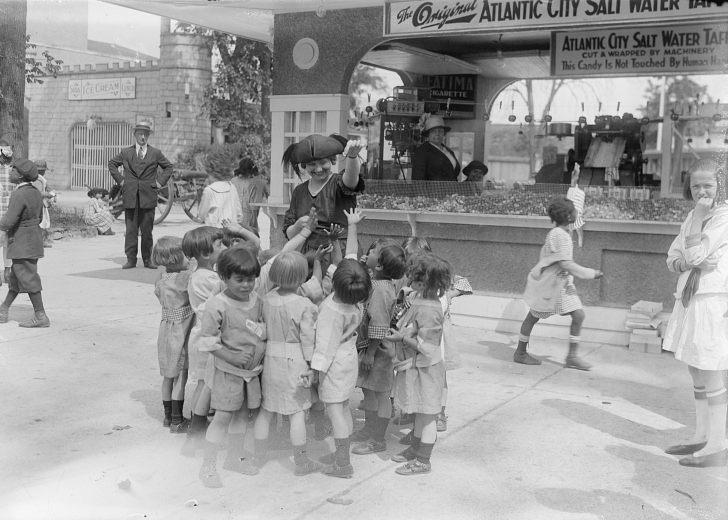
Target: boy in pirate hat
[{"x": 25, "y": 242}]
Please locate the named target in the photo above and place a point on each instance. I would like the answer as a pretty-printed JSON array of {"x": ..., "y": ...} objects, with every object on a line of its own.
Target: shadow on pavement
[
  {"x": 152, "y": 401},
  {"x": 600, "y": 503},
  {"x": 603, "y": 421},
  {"x": 138, "y": 274},
  {"x": 504, "y": 352},
  {"x": 20, "y": 312}
]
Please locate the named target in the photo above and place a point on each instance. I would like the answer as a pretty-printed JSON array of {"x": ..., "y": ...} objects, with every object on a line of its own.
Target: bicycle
[{"x": 184, "y": 187}]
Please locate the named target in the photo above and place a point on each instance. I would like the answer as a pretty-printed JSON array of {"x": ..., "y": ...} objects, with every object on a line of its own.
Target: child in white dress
[
  {"x": 290, "y": 321},
  {"x": 204, "y": 244},
  {"x": 698, "y": 328},
  {"x": 420, "y": 384},
  {"x": 335, "y": 359},
  {"x": 174, "y": 329},
  {"x": 220, "y": 201}
]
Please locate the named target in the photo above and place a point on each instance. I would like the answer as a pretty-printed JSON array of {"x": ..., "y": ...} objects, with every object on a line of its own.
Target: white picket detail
[{"x": 91, "y": 151}]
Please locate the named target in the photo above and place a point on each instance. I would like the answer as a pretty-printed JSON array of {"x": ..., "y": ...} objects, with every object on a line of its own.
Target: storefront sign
[
  {"x": 646, "y": 50},
  {"x": 101, "y": 88},
  {"x": 454, "y": 92},
  {"x": 443, "y": 16}
]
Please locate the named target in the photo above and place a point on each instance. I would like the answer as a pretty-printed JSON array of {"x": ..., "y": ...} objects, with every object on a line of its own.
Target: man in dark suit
[{"x": 139, "y": 184}]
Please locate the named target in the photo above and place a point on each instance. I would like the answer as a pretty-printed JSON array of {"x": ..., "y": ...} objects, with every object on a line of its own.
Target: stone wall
[{"x": 160, "y": 93}]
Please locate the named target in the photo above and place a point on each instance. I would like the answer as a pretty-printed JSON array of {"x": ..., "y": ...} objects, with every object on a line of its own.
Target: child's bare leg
[
  {"x": 717, "y": 399},
  {"x": 370, "y": 405},
  {"x": 572, "y": 359},
  {"x": 342, "y": 426},
  {"x": 304, "y": 465},
  {"x": 521, "y": 355},
  {"x": 178, "y": 387},
  {"x": 702, "y": 419},
  {"x": 196, "y": 394},
  {"x": 262, "y": 430},
  {"x": 579, "y": 237},
  {"x": 235, "y": 459},
  {"x": 441, "y": 422},
  {"x": 214, "y": 436},
  {"x": 200, "y": 406}
]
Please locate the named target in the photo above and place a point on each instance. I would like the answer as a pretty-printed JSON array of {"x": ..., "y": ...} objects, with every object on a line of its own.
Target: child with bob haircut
[
  {"x": 290, "y": 327},
  {"x": 698, "y": 326},
  {"x": 420, "y": 382},
  {"x": 204, "y": 244},
  {"x": 174, "y": 329},
  {"x": 550, "y": 286},
  {"x": 233, "y": 334},
  {"x": 386, "y": 262}
]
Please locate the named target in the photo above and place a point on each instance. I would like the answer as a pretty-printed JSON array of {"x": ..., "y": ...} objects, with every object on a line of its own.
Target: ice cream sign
[
  {"x": 442, "y": 16},
  {"x": 101, "y": 88}
]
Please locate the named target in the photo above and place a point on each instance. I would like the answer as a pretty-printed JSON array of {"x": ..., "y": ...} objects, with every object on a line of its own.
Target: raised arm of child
[
  {"x": 295, "y": 243},
  {"x": 321, "y": 253},
  {"x": 244, "y": 232},
  {"x": 335, "y": 234},
  {"x": 353, "y": 217}
]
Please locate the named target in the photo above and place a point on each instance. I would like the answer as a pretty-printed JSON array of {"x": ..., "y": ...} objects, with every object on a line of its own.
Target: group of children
[{"x": 283, "y": 333}]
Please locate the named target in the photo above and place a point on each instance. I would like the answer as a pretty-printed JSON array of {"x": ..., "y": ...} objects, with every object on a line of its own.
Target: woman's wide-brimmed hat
[
  {"x": 435, "y": 122},
  {"x": 93, "y": 191},
  {"x": 312, "y": 148},
  {"x": 143, "y": 125}
]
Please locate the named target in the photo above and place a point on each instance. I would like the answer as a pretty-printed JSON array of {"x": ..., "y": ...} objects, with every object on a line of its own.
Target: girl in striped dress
[
  {"x": 174, "y": 329},
  {"x": 550, "y": 286}
]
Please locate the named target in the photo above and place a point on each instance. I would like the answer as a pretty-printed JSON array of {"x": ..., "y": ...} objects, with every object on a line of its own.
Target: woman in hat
[
  {"x": 25, "y": 242},
  {"x": 328, "y": 192},
  {"x": 433, "y": 161},
  {"x": 97, "y": 211}
]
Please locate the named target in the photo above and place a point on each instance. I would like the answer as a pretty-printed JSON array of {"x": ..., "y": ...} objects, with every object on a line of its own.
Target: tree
[
  {"x": 238, "y": 98},
  {"x": 17, "y": 69},
  {"x": 12, "y": 72},
  {"x": 366, "y": 86}
]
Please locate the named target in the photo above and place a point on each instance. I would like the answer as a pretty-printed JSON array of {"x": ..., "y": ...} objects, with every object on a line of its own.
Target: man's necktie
[{"x": 140, "y": 154}]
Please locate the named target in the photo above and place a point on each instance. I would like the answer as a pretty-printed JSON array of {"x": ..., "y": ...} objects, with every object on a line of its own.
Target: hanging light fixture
[{"x": 501, "y": 61}]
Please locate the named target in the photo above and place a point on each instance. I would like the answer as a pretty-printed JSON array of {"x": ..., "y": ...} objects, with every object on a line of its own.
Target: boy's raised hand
[
  {"x": 354, "y": 216},
  {"x": 322, "y": 251},
  {"x": 231, "y": 226},
  {"x": 335, "y": 232}
]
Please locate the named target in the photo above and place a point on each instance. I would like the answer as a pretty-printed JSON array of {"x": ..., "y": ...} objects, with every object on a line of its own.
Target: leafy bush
[{"x": 224, "y": 158}]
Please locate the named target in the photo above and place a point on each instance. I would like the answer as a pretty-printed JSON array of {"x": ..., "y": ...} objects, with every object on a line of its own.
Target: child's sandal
[
  {"x": 209, "y": 476},
  {"x": 307, "y": 467},
  {"x": 414, "y": 467},
  {"x": 339, "y": 471}
]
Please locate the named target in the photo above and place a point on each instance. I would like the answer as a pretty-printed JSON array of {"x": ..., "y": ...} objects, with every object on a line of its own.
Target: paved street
[{"x": 83, "y": 418}]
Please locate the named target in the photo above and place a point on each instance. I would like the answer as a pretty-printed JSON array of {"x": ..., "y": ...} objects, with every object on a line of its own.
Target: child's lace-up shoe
[
  {"x": 179, "y": 428},
  {"x": 577, "y": 363},
  {"x": 405, "y": 456},
  {"x": 362, "y": 435},
  {"x": 338, "y": 471},
  {"x": 40, "y": 320},
  {"x": 370, "y": 447},
  {"x": 414, "y": 467}
]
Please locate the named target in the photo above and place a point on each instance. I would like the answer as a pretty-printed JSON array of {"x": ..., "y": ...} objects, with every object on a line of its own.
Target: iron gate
[{"x": 91, "y": 151}]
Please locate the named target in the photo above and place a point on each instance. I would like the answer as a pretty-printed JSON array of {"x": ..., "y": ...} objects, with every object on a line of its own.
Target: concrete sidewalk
[{"x": 83, "y": 415}]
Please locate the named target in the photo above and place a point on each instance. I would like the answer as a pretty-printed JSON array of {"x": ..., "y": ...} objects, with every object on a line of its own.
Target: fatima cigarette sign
[
  {"x": 650, "y": 51},
  {"x": 442, "y": 16}
]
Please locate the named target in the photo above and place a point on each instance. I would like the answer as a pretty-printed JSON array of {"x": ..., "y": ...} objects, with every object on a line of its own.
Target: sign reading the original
[
  {"x": 443, "y": 16},
  {"x": 101, "y": 88},
  {"x": 647, "y": 50}
]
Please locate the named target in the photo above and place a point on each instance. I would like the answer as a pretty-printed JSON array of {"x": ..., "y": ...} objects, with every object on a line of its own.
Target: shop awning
[{"x": 252, "y": 19}]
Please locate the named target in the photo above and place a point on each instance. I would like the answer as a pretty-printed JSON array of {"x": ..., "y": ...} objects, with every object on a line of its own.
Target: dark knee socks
[
  {"x": 424, "y": 451},
  {"x": 37, "y": 300},
  {"x": 10, "y": 298},
  {"x": 380, "y": 425},
  {"x": 167, "y": 409},
  {"x": 177, "y": 411},
  {"x": 369, "y": 418},
  {"x": 341, "y": 456}
]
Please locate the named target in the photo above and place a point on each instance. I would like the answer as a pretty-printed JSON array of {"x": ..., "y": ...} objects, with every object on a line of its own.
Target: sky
[{"x": 126, "y": 27}]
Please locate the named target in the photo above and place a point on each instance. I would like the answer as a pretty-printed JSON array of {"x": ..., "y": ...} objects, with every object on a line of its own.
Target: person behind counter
[
  {"x": 433, "y": 161},
  {"x": 473, "y": 183}
]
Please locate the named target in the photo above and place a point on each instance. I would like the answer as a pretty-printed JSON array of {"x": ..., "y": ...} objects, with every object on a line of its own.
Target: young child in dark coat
[{"x": 25, "y": 242}]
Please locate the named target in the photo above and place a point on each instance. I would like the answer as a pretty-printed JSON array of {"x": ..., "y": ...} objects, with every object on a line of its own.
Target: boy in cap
[{"x": 25, "y": 242}]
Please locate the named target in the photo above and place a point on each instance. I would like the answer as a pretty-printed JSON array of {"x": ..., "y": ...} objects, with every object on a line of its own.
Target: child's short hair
[
  {"x": 265, "y": 256},
  {"x": 168, "y": 252},
  {"x": 289, "y": 270},
  {"x": 351, "y": 281},
  {"x": 393, "y": 262},
  {"x": 705, "y": 165},
  {"x": 433, "y": 272},
  {"x": 560, "y": 210},
  {"x": 413, "y": 245},
  {"x": 237, "y": 260},
  {"x": 200, "y": 241},
  {"x": 381, "y": 242}
]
